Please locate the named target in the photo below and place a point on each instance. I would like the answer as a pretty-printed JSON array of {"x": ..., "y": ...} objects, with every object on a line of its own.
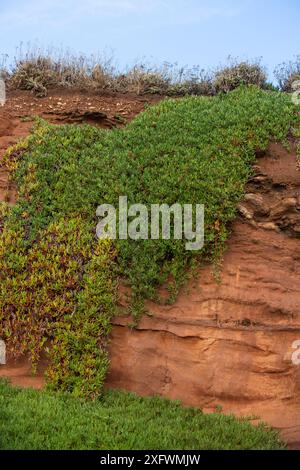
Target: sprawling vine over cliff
[{"x": 58, "y": 283}]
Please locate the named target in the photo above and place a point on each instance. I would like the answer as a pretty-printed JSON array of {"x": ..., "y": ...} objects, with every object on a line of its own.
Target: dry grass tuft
[
  {"x": 239, "y": 73},
  {"x": 287, "y": 74},
  {"x": 39, "y": 70}
]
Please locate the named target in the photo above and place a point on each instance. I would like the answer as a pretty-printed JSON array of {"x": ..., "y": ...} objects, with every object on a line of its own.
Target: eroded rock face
[{"x": 231, "y": 343}]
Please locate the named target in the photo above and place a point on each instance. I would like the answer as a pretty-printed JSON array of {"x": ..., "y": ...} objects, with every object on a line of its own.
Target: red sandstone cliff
[
  {"x": 227, "y": 344},
  {"x": 231, "y": 344}
]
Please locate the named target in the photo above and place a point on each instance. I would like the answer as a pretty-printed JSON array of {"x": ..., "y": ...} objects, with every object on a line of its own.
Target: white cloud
[
  {"x": 37, "y": 11},
  {"x": 53, "y": 13}
]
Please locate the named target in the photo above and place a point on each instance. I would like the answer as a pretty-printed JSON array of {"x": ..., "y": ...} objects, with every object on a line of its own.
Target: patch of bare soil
[
  {"x": 61, "y": 107},
  {"x": 71, "y": 106}
]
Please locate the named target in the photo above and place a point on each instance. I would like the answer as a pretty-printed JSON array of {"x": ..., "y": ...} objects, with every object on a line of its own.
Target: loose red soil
[{"x": 59, "y": 107}]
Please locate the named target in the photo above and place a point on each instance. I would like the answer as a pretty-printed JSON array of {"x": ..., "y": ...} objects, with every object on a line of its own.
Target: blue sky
[{"x": 184, "y": 31}]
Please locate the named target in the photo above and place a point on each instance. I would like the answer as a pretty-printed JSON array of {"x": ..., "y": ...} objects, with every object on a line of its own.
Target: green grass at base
[{"x": 32, "y": 420}]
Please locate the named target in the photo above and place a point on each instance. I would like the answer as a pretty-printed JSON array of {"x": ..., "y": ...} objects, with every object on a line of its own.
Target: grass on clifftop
[
  {"x": 58, "y": 283},
  {"x": 31, "y": 420}
]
